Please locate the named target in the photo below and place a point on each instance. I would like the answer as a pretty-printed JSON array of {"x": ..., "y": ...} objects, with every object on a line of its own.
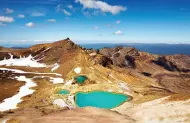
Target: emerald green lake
[
  {"x": 80, "y": 79},
  {"x": 100, "y": 99},
  {"x": 63, "y": 92}
]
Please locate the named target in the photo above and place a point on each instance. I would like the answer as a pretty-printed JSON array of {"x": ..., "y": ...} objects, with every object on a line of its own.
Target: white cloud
[
  {"x": 30, "y": 24},
  {"x": 66, "y": 12},
  {"x": 37, "y": 14},
  {"x": 60, "y": 8},
  {"x": 6, "y": 19},
  {"x": 38, "y": 40},
  {"x": 21, "y": 16},
  {"x": 118, "y": 33},
  {"x": 118, "y": 22},
  {"x": 95, "y": 27},
  {"x": 70, "y": 6},
  {"x": 9, "y": 11},
  {"x": 52, "y": 20},
  {"x": 19, "y": 40},
  {"x": 103, "y": 6},
  {"x": 2, "y": 24}
]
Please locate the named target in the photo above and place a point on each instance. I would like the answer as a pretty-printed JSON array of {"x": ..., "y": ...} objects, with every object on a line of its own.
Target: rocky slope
[
  {"x": 127, "y": 57},
  {"x": 154, "y": 83},
  {"x": 172, "y": 72}
]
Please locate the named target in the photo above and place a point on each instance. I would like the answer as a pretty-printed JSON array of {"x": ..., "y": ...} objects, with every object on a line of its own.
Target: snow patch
[
  {"x": 12, "y": 70},
  {"x": 11, "y": 103},
  {"x": 46, "y": 50},
  {"x": 23, "y": 72},
  {"x": 25, "y": 61},
  {"x": 77, "y": 70},
  {"x": 60, "y": 102},
  {"x": 52, "y": 79},
  {"x": 69, "y": 82},
  {"x": 56, "y": 80},
  {"x": 55, "y": 67}
]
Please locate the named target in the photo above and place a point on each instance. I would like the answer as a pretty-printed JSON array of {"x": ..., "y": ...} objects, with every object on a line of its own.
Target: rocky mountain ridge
[{"x": 153, "y": 83}]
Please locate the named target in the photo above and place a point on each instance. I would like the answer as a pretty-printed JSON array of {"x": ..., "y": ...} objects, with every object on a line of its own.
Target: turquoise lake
[
  {"x": 63, "y": 92},
  {"x": 100, "y": 99},
  {"x": 80, "y": 79}
]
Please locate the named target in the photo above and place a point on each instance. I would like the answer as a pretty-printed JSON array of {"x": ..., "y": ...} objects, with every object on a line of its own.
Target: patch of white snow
[
  {"x": 56, "y": 80},
  {"x": 11, "y": 103},
  {"x": 20, "y": 71},
  {"x": 60, "y": 102},
  {"x": 77, "y": 70},
  {"x": 28, "y": 61},
  {"x": 69, "y": 82},
  {"x": 55, "y": 67}
]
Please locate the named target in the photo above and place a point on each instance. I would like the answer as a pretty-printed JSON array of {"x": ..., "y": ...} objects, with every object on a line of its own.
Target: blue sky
[{"x": 95, "y": 21}]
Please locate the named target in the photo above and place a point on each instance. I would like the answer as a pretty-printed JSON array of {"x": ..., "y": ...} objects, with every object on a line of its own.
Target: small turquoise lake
[
  {"x": 100, "y": 99},
  {"x": 80, "y": 79},
  {"x": 63, "y": 92}
]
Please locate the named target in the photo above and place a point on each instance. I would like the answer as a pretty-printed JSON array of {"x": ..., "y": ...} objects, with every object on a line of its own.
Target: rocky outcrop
[
  {"x": 121, "y": 56},
  {"x": 178, "y": 63},
  {"x": 163, "y": 62},
  {"x": 182, "y": 62},
  {"x": 128, "y": 57}
]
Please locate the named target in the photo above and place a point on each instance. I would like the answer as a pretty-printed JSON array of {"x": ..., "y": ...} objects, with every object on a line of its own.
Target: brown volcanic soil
[
  {"x": 127, "y": 57},
  {"x": 177, "y": 83},
  {"x": 50, "y": 52},
  {"x": 171, "y": 72},
  {"x": 85, "y": 115},
  {"x": 148, "y": 77},
  {"x": 8, "y": 85},
  {"x": 8, "y": 88}
]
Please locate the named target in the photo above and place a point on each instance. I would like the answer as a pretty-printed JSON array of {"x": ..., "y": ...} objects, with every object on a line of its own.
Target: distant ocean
[{"x": 162, "y": 49}]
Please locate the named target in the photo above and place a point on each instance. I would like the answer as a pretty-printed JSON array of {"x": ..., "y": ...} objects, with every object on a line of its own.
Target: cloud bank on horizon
[{"x": 95, "y": 20}]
